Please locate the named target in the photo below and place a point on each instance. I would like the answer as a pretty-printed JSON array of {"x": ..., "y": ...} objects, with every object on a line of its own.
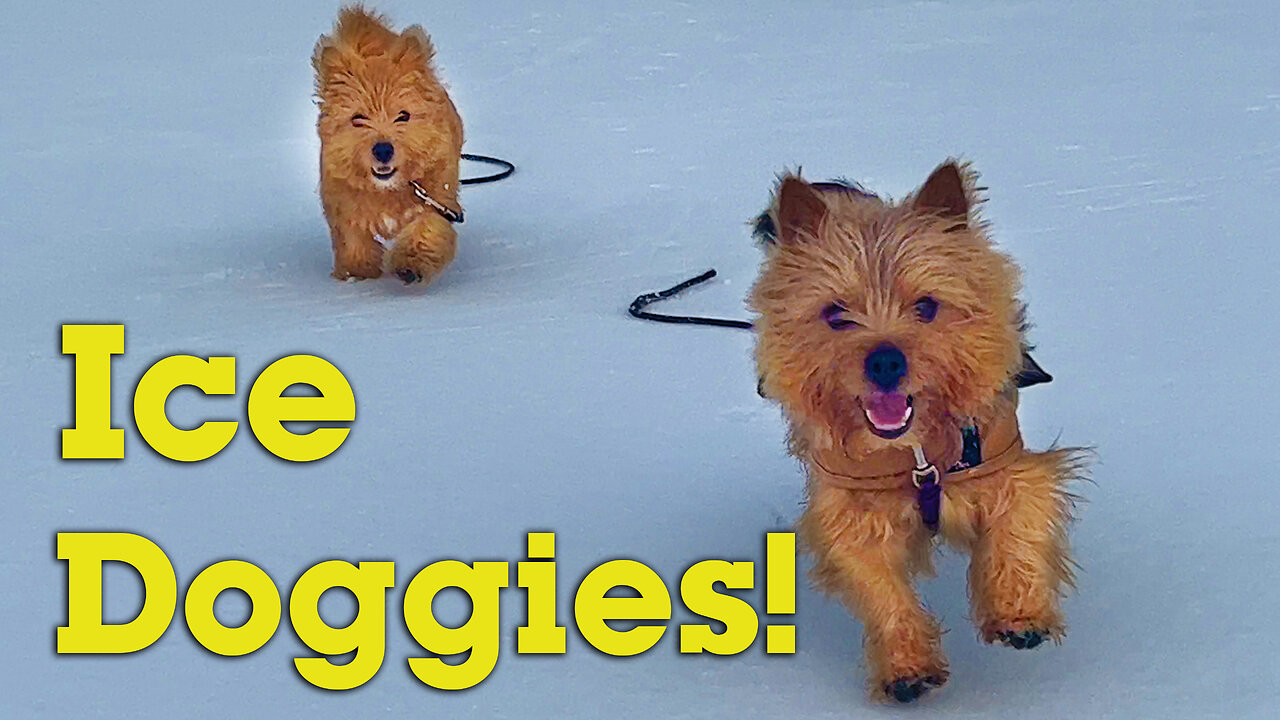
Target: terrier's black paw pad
[
  {"x": 408, "y": 276},
  {"x": 906, "y": 690},
  {"x": 1021, "y": 640}
]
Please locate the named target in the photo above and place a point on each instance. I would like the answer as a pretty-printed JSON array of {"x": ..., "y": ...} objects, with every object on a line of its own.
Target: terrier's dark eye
[
  {"x": 403, "y": 116},
  {"x": 833, "y": 315},
  {"x": 926, "y": 309},
  {"x": 359, "y": 120}
]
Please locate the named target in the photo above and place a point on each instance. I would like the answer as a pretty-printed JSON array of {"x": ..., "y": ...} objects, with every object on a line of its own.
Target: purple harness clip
[{"x": 928, "y": 482}]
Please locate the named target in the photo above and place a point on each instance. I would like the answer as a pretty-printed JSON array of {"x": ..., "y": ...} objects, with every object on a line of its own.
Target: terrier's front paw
[
  {"x": 408, "y": 276},
  {"x": 910, "y": 689},
  {"x": 1022, "y": 639},
  {"x": 1021, "y": 634},
  {"x": 355, "y": 275}
]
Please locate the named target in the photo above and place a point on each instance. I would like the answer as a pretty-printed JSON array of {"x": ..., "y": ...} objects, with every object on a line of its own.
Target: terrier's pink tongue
[{"x": 887, "y": 409}]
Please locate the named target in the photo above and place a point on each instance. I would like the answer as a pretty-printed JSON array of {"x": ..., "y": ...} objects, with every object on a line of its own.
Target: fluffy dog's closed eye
[
  {"x": 385, "y": 120},
  {"x": 892, "y": 337}
]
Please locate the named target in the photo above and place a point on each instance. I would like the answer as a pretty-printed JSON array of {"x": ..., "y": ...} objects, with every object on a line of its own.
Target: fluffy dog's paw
[
  {"x": 348, "y": 276},
  {"x": 408, "y": 276},
  {"x": 1021, "y": 639},
  {"x": 910, "y": 689},
  {"x": 1021, "y": 634}
]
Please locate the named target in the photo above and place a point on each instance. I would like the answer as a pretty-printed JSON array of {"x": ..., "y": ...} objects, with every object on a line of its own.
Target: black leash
[
  {"x": 638, "y": 306},
  {"x": 505, "y": 172}
]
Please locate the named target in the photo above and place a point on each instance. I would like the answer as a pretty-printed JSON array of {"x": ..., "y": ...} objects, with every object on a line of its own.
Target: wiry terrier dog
[
  {"x": 385, "y": 120},
  {"x": 891, "y": 335}
]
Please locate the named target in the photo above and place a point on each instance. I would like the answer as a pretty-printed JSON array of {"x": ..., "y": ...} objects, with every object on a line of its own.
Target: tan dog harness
[{"x": 901, "y": 468}]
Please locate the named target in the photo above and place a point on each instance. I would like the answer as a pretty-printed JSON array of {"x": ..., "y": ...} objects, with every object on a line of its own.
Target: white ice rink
[{"x": 158, "y": 168}]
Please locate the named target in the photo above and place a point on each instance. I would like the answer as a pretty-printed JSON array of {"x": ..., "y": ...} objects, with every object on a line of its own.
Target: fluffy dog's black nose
[
  {"x": 383, "y": 151},
  {"x": 885, "y": 367}
]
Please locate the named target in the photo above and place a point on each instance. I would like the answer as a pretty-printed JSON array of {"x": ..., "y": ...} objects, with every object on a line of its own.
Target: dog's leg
[
  {"x": 1021, "y": 564},
  {"x": 355, "y": 253},
  {"x": 867, "y": 558},
  {"x": 447, "y": 177},
  {"x": 423, "y": 249}
]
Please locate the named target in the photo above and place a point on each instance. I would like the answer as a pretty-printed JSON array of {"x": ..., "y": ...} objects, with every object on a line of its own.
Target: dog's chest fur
[{"x": 381, "y": 221}]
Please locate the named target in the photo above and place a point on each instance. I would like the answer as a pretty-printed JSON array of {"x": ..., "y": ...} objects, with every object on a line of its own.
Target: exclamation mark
[{"x": 780, "y": 591}]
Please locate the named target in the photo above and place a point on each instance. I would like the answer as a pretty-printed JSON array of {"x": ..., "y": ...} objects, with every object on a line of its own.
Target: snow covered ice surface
[{"x": 159, "y": 169}]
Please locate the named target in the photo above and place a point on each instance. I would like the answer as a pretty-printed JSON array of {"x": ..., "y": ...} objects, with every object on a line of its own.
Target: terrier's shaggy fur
[
  {"x": 884, "y": 325},
  {"x": 385, "y": 119}
]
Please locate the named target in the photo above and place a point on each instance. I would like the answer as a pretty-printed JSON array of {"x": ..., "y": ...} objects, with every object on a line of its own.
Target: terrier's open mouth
[
  {"x": 888, "y": 413},
  {"x": 383, "y": 172}
]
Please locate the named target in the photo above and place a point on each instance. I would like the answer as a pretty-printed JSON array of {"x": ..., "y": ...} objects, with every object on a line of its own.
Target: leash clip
[
  {"x": 924, "y": 476},
  {"x": 453, "y": 216},
  {"x": 928, "y": 482},
  {"x": 925, "y": 472}
]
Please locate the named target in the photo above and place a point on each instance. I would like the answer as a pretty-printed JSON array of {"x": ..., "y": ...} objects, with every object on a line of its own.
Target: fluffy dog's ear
[
  {"x": 800, "y": 211},
  {"x": 945, "y": 193},
  {"x": 417, "y": 45},
  {"x": 326, "y": 59}
]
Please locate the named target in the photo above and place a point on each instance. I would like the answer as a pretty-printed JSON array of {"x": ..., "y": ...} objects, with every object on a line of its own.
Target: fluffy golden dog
[
  {"x": 385, "y": 120},
  {"x": 892, "y": 337}
]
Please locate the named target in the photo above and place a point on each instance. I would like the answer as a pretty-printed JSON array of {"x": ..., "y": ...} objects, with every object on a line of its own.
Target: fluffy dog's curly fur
[
  {"x": 847, "y": 274},
  {"x": 385, "y": 119}
]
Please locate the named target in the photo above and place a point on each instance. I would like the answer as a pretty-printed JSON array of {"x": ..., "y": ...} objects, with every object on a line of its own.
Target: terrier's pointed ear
[
  {"x": 944, "y": 193},
  {"x": 417, "y": 43},
  {"x": 325, "y": 59},
  {"x": 800, "y": 211}
]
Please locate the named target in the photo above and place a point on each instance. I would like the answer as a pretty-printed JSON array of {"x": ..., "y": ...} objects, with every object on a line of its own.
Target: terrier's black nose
[
  {"x": 885, "y": 367},
  {"x": 383, "y": 151}
]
